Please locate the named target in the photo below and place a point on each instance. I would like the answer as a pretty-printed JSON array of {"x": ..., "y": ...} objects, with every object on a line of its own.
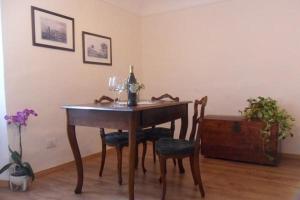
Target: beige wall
[
  {"x": 44, "y": 79},
  {"x": 229, "y": 51}
]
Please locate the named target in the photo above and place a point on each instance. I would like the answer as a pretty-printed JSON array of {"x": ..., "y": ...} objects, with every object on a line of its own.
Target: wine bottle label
[{"x": 133, "y": 87}]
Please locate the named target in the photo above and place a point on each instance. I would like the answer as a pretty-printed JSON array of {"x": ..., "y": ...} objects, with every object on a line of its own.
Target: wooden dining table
[{"x": 121, "y": 116}]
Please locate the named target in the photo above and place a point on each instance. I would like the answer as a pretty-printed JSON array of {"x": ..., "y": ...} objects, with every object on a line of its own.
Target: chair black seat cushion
[
  {"x": 157, "y": 133},
  {"x": 121, "y": 139},
  {"x": 170, "y": 146}
]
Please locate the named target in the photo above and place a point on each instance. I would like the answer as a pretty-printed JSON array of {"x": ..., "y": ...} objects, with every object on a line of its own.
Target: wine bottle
[{"x": 132, "y": 88}]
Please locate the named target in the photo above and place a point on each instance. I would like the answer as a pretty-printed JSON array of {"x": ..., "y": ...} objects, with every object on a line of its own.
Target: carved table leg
[
  {"x": 132, "y": 153},
  {"x": 183, "y": 130},
  {"x": 77, "y": 156},
  {"x": 184, "y": 123}
]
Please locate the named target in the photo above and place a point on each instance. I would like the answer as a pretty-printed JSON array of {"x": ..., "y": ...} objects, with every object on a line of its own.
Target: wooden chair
[
  {"x": 118, "y": 140},
  {"x": 155, "y": 133},
  {"x": 177, "y": 148}
]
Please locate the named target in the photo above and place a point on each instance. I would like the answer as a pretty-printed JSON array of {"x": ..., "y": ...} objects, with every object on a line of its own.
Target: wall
[
  {"x": 3, "y": 128},
  {"x": 229, "y": 51},
  {"x": 45, "y": 79}
]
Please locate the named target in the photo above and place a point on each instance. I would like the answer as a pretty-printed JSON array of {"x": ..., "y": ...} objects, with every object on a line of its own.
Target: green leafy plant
[
  {"x": 140, "y": 86},
  {"x": 268, "y": 111}
]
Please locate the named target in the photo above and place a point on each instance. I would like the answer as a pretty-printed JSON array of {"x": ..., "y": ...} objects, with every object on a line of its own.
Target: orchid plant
[{"x": 19, "y": 120}]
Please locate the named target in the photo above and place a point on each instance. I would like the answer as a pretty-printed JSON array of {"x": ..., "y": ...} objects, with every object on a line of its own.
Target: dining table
[{"x": 122, "y": 117}]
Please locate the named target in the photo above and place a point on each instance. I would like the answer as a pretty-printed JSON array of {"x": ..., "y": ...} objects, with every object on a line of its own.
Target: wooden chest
[{"x": 234, "y": 138}]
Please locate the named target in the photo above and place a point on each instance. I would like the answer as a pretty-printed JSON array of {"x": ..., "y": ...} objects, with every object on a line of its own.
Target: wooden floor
[{"x": 222, "y": 180}]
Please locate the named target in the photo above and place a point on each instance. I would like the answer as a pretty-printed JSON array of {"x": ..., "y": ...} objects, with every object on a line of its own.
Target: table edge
[{"x": 125, "y": 109}]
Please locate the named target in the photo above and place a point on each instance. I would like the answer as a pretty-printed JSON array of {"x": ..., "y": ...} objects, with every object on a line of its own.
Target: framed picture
[
  {"x": 52, "y": 30},
  {"x": 96, "y": 49}
]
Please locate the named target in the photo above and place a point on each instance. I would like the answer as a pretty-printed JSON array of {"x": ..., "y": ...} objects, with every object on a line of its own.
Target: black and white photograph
[
  {"x": 52, "y": 30},
  {"x": 96, "y": 49}
]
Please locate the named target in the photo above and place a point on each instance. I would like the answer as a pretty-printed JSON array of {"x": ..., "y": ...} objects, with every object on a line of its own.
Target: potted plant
[
  {"x": 271, "y": 114},
  {"x": 140, "y": 86},
  {"x": 20, "y": 172}
]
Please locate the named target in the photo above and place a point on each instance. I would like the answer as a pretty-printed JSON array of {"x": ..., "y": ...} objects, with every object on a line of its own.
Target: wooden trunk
[{"x": 234, "y": 138}]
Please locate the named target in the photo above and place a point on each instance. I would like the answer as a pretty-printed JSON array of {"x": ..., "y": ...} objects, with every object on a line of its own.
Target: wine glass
[
  {"x": 112, "y": 85},
  {"x": 120, "y": 88}
]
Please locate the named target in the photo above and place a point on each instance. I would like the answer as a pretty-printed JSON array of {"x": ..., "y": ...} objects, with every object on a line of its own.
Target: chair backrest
[
  {"x": 164, "y": 97},
  {"x": 197, "y": 120},
  {"x": 103, "y": 98}
]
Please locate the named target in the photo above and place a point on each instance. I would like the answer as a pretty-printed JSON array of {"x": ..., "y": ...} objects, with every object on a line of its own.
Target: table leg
[
  {"x": 77, "y": 156},
  {"x": 183, "y": 130},
  {"x": 132, "y": 153},
  {"x": 184, "y": 123}
]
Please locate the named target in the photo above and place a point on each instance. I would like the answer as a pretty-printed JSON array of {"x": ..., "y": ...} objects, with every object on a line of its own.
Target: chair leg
[
  {"x": 144, "y": 156},
  {"x": 180, "y": 165},
  {"x": 198, "y": 175},
  {"x": 137, "y": 156},
  {"x": 119, "y": 157},
  {"x": 162, "y": 162},
  {"x": 103, "y": 155},
  {"x": 154, "y": 153},
  {"x": 193, "y": 169}
]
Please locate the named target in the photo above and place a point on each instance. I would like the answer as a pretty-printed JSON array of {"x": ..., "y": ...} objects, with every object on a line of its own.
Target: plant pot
[
  {"x": 19, "y": 179},
  {"x": 19, "y": 183}
]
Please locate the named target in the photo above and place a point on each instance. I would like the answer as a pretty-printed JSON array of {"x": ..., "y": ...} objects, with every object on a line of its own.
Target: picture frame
[
  {"x": 96, "y": 49},
  {"x": 52, "y": 30}
]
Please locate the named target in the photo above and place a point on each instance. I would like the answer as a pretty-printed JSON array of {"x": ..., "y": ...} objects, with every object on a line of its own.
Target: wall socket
[{"x": 51, "y": 143}]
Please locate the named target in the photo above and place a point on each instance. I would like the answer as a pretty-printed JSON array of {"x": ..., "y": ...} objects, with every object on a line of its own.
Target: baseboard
[
  {"x": 290, "y": 156},
  {"x": 64, "y": 165}
]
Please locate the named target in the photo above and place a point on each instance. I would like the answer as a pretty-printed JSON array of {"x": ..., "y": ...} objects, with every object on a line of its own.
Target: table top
[{"x": 143, "y": 105}]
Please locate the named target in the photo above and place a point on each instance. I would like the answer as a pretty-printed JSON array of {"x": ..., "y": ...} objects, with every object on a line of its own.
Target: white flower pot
[{"x": 19, "y": 183}]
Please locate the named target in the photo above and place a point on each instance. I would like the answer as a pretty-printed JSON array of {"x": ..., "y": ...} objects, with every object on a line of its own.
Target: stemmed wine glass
[
  {"x": 112, "y": 85},
  {"x": 120, "y": 88},
  {"x": 117, "y": 86}
]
